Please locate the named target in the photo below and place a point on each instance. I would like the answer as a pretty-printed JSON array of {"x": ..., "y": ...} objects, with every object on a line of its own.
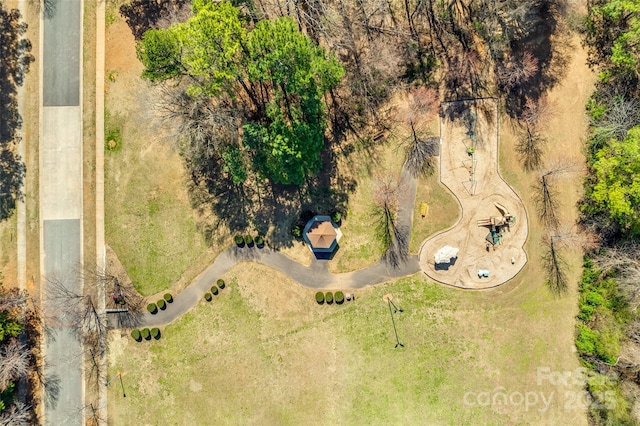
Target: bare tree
[
  {"x": 546, "y": 195},
  {"x": 419, "y": 151},
  {"x": 536, "y": 111},
  {"x": 14, "y": 362},
  {"x": 554, "y": 264},
  {"x": 393, "y": 238},
  {"x": 77, "y": 311},
  {"x": 622, "y": 114},
  {"x": 516, "y": 71},
  {"x": 12, "y": 298},
  {"x": 17, "y": 414},
  {"x": 200, "y": 124},
  {"x": 622, "y": 260},
  {"x": 530, "y": 148},
  {"x": 385, "y": 196}
]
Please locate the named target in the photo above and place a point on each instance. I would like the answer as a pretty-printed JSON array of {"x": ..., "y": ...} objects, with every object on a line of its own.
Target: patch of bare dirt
[{"x": 470, "y": 170}]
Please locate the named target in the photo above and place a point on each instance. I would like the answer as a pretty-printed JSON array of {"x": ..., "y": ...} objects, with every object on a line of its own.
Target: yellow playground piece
[{"x": 424, "y": 209}]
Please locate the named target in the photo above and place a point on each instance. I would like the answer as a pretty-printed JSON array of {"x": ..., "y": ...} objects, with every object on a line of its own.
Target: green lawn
[
  {"x": 267, "y": 354},
  {"x": 148, "y": 220},
  {"x": 443, "y": 210}
]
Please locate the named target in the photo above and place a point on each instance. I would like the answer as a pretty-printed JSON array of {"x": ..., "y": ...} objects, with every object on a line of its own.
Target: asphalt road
[
  {"x": 61, "y": 205},
  {"x": 61, "y": 71}
]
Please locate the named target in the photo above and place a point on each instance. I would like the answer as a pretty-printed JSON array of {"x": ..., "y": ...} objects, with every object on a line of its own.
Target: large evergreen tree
[{"x": 275, "y": 73}]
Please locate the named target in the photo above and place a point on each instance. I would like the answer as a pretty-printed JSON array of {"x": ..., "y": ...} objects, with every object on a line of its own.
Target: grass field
[
  {"x": 443, "y": 210},
  {"x": 149, "y": 221},
  {"x": 266, "y": 353},
  {"x": 263, "y": 352}
]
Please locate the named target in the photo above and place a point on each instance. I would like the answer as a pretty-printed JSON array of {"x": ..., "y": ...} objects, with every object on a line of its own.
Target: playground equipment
[
  {"x": 470, "y": 120},
  {"x": 445, "y": 254},
  {"x": 483, "y": 273},
  {"x": 497, "y": 224}
]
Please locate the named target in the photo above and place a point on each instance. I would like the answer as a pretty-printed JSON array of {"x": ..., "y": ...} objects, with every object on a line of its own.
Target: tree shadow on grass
[
  {"x": 142, "y": 15},
  {"x": 259, "y": 207},
  {"x": 550, "y": 45},
  {"x": 16, "y": 58}
]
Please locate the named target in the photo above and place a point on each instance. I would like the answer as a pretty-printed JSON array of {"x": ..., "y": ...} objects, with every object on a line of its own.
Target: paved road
[
  {"x": 61, "y": 200},
  {"x": 316, "y": 275}
]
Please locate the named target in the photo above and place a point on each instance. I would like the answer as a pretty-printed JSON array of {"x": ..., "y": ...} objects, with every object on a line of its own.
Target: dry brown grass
[{"x": 149, "y": 222}]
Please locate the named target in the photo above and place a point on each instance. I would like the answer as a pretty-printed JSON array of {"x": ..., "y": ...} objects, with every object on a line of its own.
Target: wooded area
[{"x": 607, "y": 337}]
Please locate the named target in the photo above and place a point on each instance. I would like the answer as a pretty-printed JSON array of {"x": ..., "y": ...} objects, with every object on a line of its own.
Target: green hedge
[
  {"x": 248, "y": 240},
  {"x": 259, "y": 241},
  {"x": 146, "y": 334},
  {"x": 339, "y": 296},
  {"x": 220, "y": 283},
  {"x": 320, "y": 297},
  {"x": 208, "y": 297},
  {"x": 152, "y": 308},
  {"x": 136, "y": 335},
  {"x": 214, "y": 290},
  {"x": 168, "y": 298},
  {"x": 239, "y": 240},
  {"x": 329, "y": 297},
  {"x": 155, "y": 333},
  {"x": 162, "y": 304}
]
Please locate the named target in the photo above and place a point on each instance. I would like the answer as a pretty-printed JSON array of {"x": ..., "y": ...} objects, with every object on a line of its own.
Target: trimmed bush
[
  {"x": 152, "y": 308},
  {"x": 208, "y": 297},
  {"x": 146, "y": 334},
  {"x": 155, "y": 333},
  {"x": 336, "y": 217},
  {"x": 220, "y": 283},
  {"x": 162, "y": 304},
  {"x": 339, "y": 296},
  {"x": 296, "y": 231},
  {"x": 248, "y": 240},
  {"x": 214, "y": 290},
  {"x": 136, "y": 335},
  {"x": 259, "y": 241},
  {"x": 168, "y": 298},
  {"x": 320, "y": 297},
  {"x": 328, "y": 297},
  {"x": 239, "y": 240}
]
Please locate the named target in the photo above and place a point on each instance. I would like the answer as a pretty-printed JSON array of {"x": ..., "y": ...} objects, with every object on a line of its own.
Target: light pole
[
  {"x": 393, "y": 321},
  {"x": 124, "y": 395},
  {"x": 395, "y": 308}
]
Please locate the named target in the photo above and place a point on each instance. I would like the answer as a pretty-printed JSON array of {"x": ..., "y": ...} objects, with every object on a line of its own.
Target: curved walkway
[
  {"x": 314, "y": 276},
  {"x": 317, "y": 276}
]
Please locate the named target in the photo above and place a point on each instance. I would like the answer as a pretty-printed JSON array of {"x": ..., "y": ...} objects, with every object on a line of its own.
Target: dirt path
[{"x": 474, "y": 180}]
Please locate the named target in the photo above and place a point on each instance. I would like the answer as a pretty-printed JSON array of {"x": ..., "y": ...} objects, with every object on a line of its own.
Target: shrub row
[
  {"x": 330, "y": 297},
  {"x": 248, "y": 240},
  {"x": 146, "y": 334},
  {"x": 208, "y": 296},
  {"x": 160, "y": 304}
]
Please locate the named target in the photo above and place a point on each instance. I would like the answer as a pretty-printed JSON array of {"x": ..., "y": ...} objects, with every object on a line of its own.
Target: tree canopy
[
  {"x": 617, "y": 186},
  {"x": 275, "y": 73}
]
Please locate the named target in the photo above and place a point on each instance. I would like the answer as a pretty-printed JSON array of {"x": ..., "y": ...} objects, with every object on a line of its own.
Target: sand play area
[{"x": 492, "y": 228}]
